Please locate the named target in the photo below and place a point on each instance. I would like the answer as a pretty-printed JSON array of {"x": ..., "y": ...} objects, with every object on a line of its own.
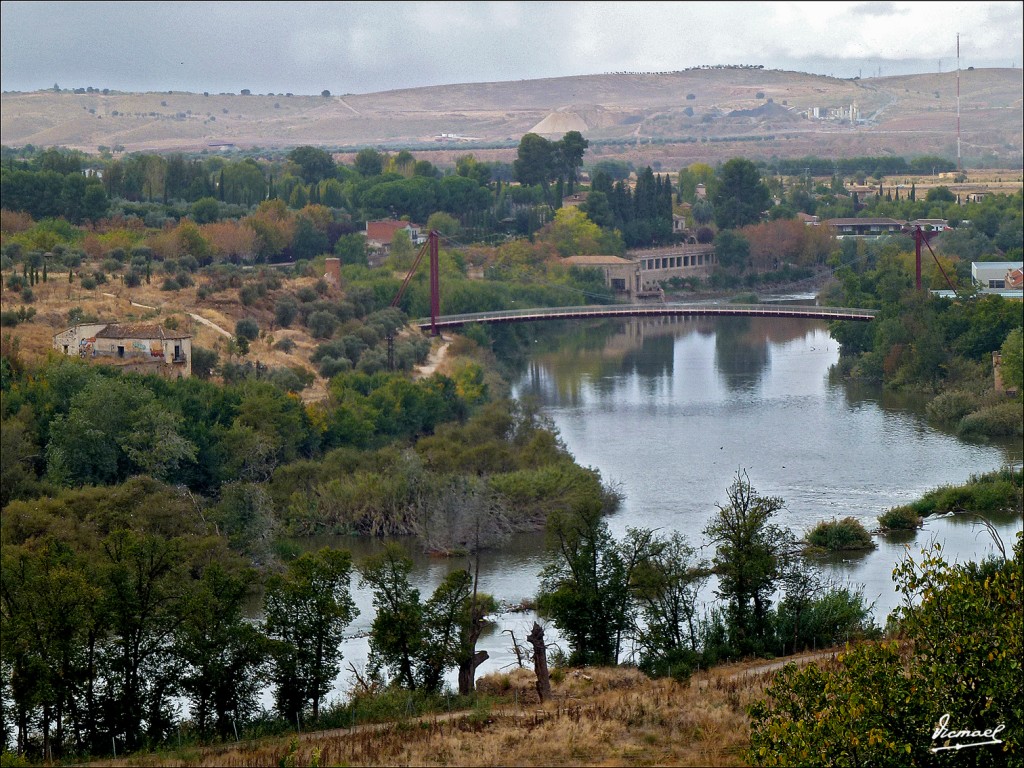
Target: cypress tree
[
  {"x": 913, "y": 193},
  {"x": 71, "y": 275},
  {"x": 44, "y": 271},
  {"x": 221, "y": 186}
]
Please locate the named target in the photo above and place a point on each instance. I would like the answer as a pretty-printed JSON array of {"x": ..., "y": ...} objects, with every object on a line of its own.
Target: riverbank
[{"x": 597, "y": 716}]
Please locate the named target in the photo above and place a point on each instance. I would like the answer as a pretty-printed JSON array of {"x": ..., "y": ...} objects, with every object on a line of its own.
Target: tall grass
[
  {"x": 993, "y": 493},
  {"x": 840, "y": 535}
]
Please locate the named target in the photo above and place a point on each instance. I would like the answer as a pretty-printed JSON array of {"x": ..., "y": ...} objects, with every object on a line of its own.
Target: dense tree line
[
  {"x": 923, "y": 342},
  {"x": 642, "y": 215},
  {"x": 115, "y": 601},
  {"x": 644, "y": 591},
  {"x": 884, "y": 165}
]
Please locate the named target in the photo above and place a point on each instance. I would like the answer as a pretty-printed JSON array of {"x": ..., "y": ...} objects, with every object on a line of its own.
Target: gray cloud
[{"x": 356, "y": 47}]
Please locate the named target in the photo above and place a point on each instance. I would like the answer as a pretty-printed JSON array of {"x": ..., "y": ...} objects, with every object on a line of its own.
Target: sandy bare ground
[{"x": 437, "y": 356}]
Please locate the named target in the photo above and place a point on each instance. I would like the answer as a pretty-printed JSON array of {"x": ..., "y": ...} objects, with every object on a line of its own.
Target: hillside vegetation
[{"x": 674, "y": 118}]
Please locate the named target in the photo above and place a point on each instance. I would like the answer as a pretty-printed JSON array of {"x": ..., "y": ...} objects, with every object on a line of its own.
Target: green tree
[
  {"x": 1012, "y": 354},
  {"x": 369, "y": 162},
  {"x": 668, "y": 585},
  {"x": 206, "y": 210},
  {"x": 470, "y": 167},
  {"x": 940, "y": 195},
  {"x": 47, "y": 603},
  {"x": 143, "y": 578},
  {"x": 732, "y": 250},
  {"x": 586, "y": 586},
  {"x": 569, "y": 152},
  {"x": 402, "y": 251},
  {"x": 95, "y": 203},
  {"x": 113, "y": 430},
  {"x": 703, "y": 212},
  {"x": 224, "y": 655},
  {"x": 750, "y": 552},
  {"x": 396, "y": 635},
  {"x": 535, "y": 161},
  {"x": 307, "y": 609},
  {"x": 314, "y": 164},
  {"x": 740, "y": 196},
  {"x": 351, "y": 249}
]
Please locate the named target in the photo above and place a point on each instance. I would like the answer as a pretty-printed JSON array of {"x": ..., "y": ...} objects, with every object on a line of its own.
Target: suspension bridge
[{"x": 436, "y": 322}]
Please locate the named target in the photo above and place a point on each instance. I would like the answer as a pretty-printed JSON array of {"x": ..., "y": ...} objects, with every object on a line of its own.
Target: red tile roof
[{"x": 384, "y": 231}]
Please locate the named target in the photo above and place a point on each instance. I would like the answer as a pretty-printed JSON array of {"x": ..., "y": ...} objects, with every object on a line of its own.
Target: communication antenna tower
[{"x": 959, "y": 164}]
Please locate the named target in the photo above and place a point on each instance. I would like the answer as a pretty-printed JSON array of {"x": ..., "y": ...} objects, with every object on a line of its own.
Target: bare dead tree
[
  {"x": 516, "y": 648},
  {"x": 472, "y": 660},
  {"x": 540, "y": 661}
]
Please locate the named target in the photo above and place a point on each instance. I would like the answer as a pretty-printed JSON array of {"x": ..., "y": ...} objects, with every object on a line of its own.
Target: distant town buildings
[
  {"x": 640, "y": 274},
  {"x": 868, "y": 227}
]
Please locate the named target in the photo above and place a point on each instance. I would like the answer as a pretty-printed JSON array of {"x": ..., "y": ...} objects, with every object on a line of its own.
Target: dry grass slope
[
  {"x": 598, "y": 717},
  {"x": 642, "y": 113}
]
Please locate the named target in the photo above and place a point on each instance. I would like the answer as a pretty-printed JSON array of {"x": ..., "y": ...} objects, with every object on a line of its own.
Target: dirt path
[
  {"x": 210, "y": 324},
  {"x": 434, "y": 359},
  {"x": 773, "y": 665}
]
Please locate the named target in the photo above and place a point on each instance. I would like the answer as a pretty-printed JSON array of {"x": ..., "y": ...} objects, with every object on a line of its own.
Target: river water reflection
[{"x": 671, "y": 409}]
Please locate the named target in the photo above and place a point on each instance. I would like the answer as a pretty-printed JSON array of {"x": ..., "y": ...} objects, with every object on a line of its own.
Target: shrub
[
  {"x": 285, "y": 311},
  {"x": 77, "y": 315},
  {"x": 840, "y": 535},
  {"x": 900, "y": 519},
  {"x": 286, "y": 379},
  {"x": 247, "y": 328},
  {"x": 321, "y": 324},
  {"x": 170, "y": 284},
  {"x": 1003, "y": 419},
  {"x": 332, "y": 366},
  {"x": 204, "y": 362},
  {"x": 950, "y": 407},
  {"x": 8, "y": 319},
  {"x": 248, "y": 295},
  {"x": 285, "y": 345}
]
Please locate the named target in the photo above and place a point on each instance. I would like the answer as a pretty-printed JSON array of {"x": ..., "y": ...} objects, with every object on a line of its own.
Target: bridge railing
[{"x": 640, "y": 310}]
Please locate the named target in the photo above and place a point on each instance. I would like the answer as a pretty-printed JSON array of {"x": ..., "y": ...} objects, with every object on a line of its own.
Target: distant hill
[{"x": 677, "y": 117}]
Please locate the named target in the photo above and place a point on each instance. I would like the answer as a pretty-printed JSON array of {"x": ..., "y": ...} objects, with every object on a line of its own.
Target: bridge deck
[{"x": 649, "y": 310}]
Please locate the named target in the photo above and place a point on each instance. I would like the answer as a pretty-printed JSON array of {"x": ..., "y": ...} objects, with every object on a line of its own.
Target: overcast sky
[{"x": 364, "y": 47}]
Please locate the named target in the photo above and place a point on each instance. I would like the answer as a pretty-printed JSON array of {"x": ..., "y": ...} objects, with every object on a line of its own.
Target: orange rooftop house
[
  {"x": 138, "y": 348},
  {"x": 379, "y": 234}
]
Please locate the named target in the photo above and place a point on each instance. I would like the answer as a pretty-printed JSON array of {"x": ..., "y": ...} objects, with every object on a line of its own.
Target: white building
[{"x": 996, "y": 276}]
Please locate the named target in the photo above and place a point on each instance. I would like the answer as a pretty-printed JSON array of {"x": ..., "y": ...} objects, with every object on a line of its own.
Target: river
[{"x": 670, "y": 409}]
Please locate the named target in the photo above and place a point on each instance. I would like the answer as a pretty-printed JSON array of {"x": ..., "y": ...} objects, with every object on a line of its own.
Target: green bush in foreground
[
  {"x": 954, "y": 664},
  {"x": 840, "y": 535}
]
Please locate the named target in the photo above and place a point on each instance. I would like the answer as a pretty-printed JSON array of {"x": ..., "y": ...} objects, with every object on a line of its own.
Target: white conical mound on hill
[{"x": 560, "y": 123}]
